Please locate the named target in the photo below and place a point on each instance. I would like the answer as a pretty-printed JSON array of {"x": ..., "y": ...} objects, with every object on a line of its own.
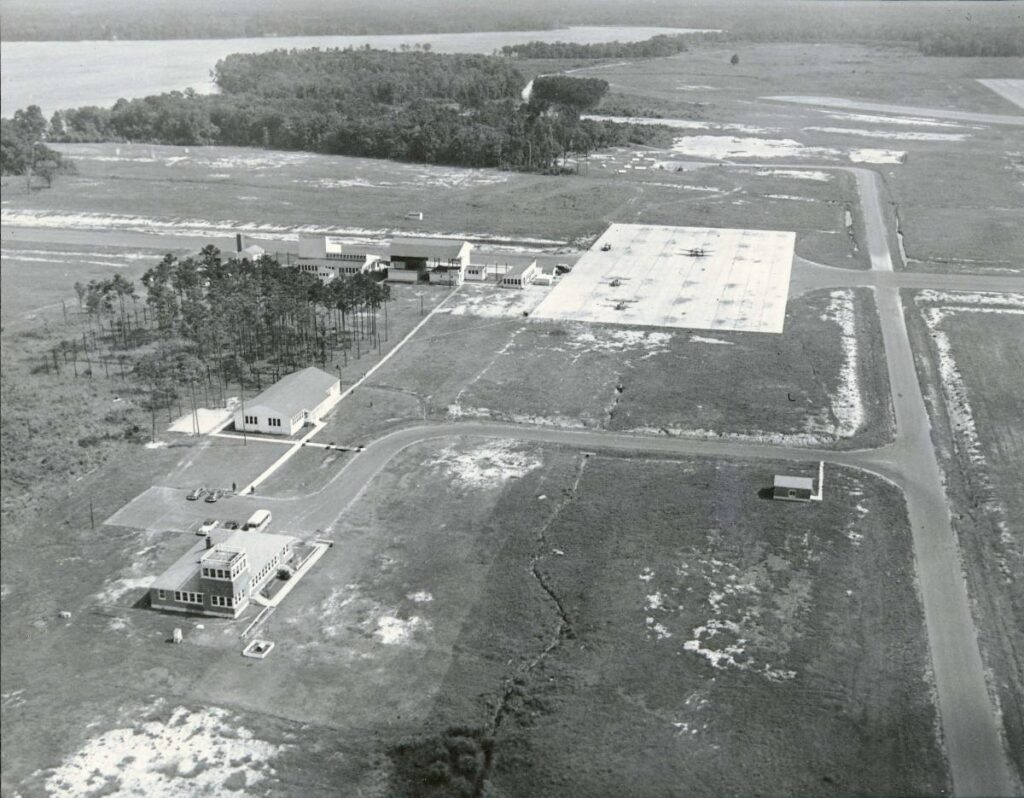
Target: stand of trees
[
  {"x": 460, "y": 110},
  {"x": 655, "y": 47},
  {"x": 971, "y": 42},
  {"x": 206, "y": 323},
  {"x": 22, "y": 151}
]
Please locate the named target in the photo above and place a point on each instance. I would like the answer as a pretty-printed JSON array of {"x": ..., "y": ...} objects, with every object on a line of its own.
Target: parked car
[
  {"x": 212, "y": 496},
  {"x": 230, "y": 525},
  {"x": 208, "y": 525},
  {"x": 198, "y": 493}
]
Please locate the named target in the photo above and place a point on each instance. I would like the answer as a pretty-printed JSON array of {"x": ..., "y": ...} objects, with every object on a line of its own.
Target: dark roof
[
  {"x": 300, "y": 390},
  {"x": 443, "y": 248}
]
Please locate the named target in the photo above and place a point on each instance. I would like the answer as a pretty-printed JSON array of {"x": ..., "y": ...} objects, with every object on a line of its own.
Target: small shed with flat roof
[{"x": 793, "y": 489}]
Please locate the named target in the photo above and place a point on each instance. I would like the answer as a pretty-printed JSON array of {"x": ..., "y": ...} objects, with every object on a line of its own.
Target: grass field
[
  {"x": 215, "y": 191},
  {"x": 959, "y": 201},
  {"x": 810, "y": 385},
  {"x": 972, "y": 356},
  {"x": 426, "y": 615}
]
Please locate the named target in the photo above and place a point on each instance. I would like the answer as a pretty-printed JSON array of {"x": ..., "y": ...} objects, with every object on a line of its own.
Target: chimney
[
  {"x": 238, "y": 242},
  {"x": 209, "y": 542}
]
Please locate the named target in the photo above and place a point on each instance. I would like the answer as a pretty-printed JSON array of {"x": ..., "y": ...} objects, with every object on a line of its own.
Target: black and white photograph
[{"x": 543, "y": 399}]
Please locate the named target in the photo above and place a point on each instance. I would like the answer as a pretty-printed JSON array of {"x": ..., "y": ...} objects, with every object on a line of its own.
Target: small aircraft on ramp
[{"x": 697, "y": 252}]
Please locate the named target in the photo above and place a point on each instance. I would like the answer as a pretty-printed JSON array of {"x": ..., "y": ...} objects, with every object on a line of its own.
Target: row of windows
[
  {"x": 220, "y": 573},
  {"x": 267, "y": 568},
  {"x": 186, "y": 597},
  {"x": 274, "y": 422},
  {"x": 251, "y": 420}
]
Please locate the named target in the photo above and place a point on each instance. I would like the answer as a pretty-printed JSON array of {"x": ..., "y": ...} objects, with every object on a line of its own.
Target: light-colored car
[
  {"x": 208, "y": 525},
  {"x": 195, "y": 494},
  {"x": 212, "y": 496}
]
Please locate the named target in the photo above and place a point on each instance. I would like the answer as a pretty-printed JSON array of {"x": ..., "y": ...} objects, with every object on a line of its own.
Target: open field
[
  {"x": 423, "y": 603},
  {"x": 971, "y": 356},
  {"x": 218, "y": 191},
  {"x": 821, "y": 383},
  {"x": 36, "y": 278},
  {"x": 957, "y": 184}
]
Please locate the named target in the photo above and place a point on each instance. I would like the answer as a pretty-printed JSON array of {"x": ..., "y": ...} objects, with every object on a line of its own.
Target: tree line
[
  {"x": 203, "y": 324},
  {"x": 459, "y": 110},
  {"x": 22, "y": 151},
  {"x": 655, "y": 47}
]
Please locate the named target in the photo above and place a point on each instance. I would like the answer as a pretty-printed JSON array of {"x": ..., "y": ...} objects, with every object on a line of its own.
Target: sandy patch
[
  {"x": 909, "y": 121},
  {"x": 602, "y": 339},
  {"x": 902, "y": 135},
  {"x": 192, "y": 753},
  {"x": 394, "y": 631},
  {"x": 797, "y": 174},
  {"x": 485, "y": 465},
  {"x": 492, "y": 302},
  {"x": 846, "y": 412},
  {"x": 724, "y": 147},
  {"x": 877, "y": 156},
  {"x": 117, "y": 588}
]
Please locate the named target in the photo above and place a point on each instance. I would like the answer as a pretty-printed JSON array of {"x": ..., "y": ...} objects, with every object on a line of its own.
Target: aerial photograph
[{"x": 545, "y": 399}]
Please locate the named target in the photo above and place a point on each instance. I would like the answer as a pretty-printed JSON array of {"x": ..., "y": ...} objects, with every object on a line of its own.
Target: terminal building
[
  {"x": 300, "y": 398},
  {"x": 220, "y": 573}
]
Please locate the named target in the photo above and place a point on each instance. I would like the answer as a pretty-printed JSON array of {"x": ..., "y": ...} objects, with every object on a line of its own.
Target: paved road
[
  {"x": 808, "y": 276},
  {"x": 906, "y": 110}
]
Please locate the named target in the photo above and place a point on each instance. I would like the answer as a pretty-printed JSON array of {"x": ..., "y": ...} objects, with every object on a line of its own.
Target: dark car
[
  {"x": 230, "y": 525},
  {"x": 212, "y": 496},
  {"x": 198, "y": 493}
]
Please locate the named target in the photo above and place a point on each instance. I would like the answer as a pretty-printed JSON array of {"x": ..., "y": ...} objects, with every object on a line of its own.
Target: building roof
[
  {"x": 259, "y": 547},
  {"x": 442, "y": 248},
  {"x": 795, "y": 483},
  {"x": 300, "y": 390},
  {"x": 518, "y": 270}
]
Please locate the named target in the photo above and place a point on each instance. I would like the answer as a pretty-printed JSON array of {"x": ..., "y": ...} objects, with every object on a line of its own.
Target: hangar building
[{"x": 437, "y": 259}]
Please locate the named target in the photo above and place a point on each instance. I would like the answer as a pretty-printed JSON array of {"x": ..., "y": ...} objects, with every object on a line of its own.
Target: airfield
[
  {"x": 555, "y": 536},
  {"x": 689, "y": 277}
]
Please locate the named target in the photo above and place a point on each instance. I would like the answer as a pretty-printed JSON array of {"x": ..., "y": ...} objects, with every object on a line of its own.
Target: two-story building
[
  {"x": 300, "y": 398},
  {"x": 220, "y": 573}
]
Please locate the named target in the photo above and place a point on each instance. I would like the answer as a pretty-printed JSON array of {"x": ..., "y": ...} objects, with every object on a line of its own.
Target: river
[{"x": 66, "y": 74}]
